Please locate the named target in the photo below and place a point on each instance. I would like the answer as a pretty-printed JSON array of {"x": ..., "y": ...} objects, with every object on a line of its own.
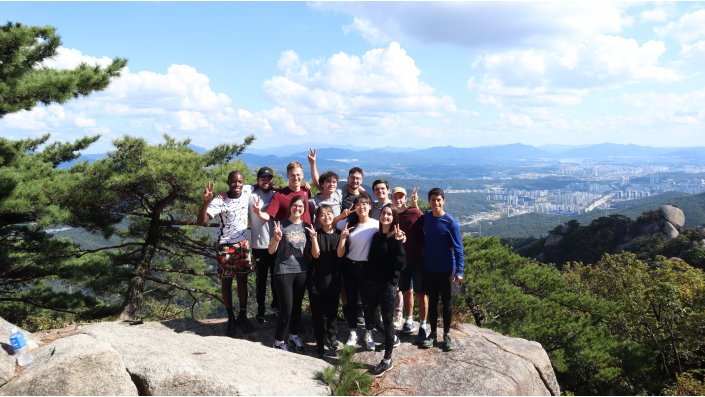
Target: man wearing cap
[
  {"x": 259, "y": 236},
  {"x": 410, "y": 279}
]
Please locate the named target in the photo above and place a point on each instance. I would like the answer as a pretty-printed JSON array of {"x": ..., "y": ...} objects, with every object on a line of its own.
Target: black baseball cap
[{"x": 265, "y": 171}]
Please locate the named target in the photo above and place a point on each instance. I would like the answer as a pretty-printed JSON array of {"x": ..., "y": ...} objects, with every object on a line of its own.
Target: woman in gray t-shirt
[{"x": 291, "y": 243}]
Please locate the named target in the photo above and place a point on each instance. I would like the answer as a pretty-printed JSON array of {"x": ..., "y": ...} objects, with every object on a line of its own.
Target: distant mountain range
[{"x": 341, "y": 159}]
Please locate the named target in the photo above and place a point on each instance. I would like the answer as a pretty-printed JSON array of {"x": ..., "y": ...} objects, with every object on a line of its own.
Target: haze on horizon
[{"x": 373, "y": 74}]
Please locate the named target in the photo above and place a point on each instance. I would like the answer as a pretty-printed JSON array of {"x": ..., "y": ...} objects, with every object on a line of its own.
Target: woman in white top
[{"x": 354, "y": 246}]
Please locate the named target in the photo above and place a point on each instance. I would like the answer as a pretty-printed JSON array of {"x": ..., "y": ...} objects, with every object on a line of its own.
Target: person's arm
[
  {"x": 414, "y": 198},
  {"x": 399, "y": 258},
  {"x": 315, "y": 248},
  {"x": 314, "y": 169},
  {"x": 207, "y": 197},
  {"x": 456, "y": 238},
  {"x": 343, "y": 238}
]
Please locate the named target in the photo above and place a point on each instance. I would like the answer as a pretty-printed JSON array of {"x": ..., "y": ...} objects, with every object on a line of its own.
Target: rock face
[
  {"x": 484, "y": 363},
  {"x": 7, "y": 360},
  {"x": 188, "y": 357},
  {"x": 673, "y": 215}
]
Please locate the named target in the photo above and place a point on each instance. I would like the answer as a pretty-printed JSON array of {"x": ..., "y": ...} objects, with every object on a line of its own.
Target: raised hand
[
  {"x": 345, "y": 232},
  {"x": 257, "y": 204},
  {"x": 208, "y": 192},
  {"x": 311, "y": 155},
  {"x": 398, "y": 233},
  {"x": 415, "y": 197},
  {"x": 277, "y": 231},
  {"x": 311, "y": 232},
  {"x": 346, "y": 212}
]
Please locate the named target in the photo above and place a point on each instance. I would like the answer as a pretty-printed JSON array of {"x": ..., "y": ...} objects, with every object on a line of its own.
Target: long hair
[
  {"x": 395, "y": 217},
  {"x": 354, "y": 219}
]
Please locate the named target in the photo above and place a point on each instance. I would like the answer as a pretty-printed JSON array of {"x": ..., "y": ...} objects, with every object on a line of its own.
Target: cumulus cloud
[{"x": 690, "y": 27}]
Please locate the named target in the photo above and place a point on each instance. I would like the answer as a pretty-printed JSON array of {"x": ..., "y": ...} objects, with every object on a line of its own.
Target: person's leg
[
  {"x": 372, "y": 301},
  {"x": 447, "y": 302},
  {"x": 261, "y": 283},
  {"x": 298, "y": 292},
  {"x": 283, "y": 285},
  {"x": 431, "y": 285},
  {"x": 388, "y": 294},
  {"x": 330, "y": 307},
  {"x": 351, "y": 287},
  {"x": 226, "y": 291},
  {"x": 317, "y": 314},
  {"x": 408, "y": 298}
]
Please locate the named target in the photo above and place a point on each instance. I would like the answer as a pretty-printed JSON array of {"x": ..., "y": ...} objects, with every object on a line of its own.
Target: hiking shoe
[
  {"x": 421, "y": 337},
  {"x": 281, "y": 346},
  {"x": 369, "y": 343},
  {"x": 397, "y": 341},
  {"x": 333, "y": 343},
  {"x": 260, "y": 316},
  {"x": 408, "y": 328},
  {"x": 398, "y": 321},
  {"x": 245, "y": 324},
  {"x": 448, "y": 343},
  {"x": 382, "y": 367},
  {"x": 428, "y": 343},
  {"x": 231, "y": 327},
  {"x": 320, "y": 350},
  {"x": 352, "y": 339},
  {"x": 296, "y": 342},
  {"x": 382, "y": 346}
]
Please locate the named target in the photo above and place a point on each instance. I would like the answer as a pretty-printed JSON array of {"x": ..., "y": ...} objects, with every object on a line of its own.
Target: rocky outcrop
[
  {"x": 188, "y": 357},
  {"x": 673, "y": 215},
  {"x": 485, "y": 363}
]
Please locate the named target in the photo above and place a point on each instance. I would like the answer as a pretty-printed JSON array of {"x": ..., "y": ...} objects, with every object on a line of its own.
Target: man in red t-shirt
[{"x": 279, "y": 206}]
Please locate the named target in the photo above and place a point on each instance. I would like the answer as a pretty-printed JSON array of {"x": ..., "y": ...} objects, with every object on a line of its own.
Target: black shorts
[{"x": 411, "y": 278}]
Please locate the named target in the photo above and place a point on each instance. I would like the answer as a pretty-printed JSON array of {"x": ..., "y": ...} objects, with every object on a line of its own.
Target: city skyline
[{"x": 374, "y": 74}]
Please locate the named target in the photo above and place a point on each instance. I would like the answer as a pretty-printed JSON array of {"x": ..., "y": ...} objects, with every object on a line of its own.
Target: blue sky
[{"x": 373, "y": 74}]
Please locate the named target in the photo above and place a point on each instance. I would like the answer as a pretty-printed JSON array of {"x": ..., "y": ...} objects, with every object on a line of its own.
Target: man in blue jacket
[{"x": 443, "y": 264}]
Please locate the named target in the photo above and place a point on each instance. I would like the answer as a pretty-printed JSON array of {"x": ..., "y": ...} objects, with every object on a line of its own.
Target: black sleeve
[{"x": 398, "y": 258}]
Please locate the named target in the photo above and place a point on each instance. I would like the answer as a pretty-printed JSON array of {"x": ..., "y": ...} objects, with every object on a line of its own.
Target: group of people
[{"x": 375, "y": 256}]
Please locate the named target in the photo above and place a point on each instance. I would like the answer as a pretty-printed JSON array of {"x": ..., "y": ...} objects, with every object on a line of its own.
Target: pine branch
[
  {"x": 107, "y": 248},
  {"x": 181, "y": 287}
]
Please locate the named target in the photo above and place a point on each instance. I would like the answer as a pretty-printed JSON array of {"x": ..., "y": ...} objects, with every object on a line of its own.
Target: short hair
[
  {"x": 233, "y": 174},
  {"x": 395, "y": 216},
  {"x": 436, "y": 191},
  {"x": 322, "y": 207},
  {"x": 378, "y": 181},
  {"x": 327, "y": 175},
  {"x": 354, "y": 170},
  {"x": 292, "y": 165}
]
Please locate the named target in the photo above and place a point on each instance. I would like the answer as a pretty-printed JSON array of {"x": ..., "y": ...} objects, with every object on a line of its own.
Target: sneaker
[
  {"x": 333, "y": 343},
  {"x": 428, "y": 343},
  {"x": 352, "y": 339},
  {"x": 382, "y": 367},
  {"x": 281, "y": 346},
  {"x": 398, "y": 321},
  {"x": 408, "y": 328},
  {"x": 397, "y": 341},
  {"x": 296, "y": 342},
  {"x": 231, "y": 327},
  {"x": 421, "y": 337},
  {"x": 448, "y": 343},
  {"x": 260, "y": 316},
  {"x": 320, "y": 350},
  {"x": 369, "y": 343},
  {"x": 245, "y": 323}
]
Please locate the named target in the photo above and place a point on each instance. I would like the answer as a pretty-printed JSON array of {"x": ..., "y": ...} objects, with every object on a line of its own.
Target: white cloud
[
  {"x": 688, "y": 28},
  {"x": 69, "y": 58},
  {"x": 367, "y": 30}
]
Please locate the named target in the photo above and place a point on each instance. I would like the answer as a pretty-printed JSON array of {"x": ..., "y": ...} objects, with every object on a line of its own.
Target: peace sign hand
[
  {"x": 415, "y": 196},
  {"x": 257, "y": 204},
  {"x": 399, "y": 234},
  {"x": 208, "y": 192},
  {"x": 312, "y": 155},
  {"x": 311, "y": 232},
  {"x": 277, "y": 231},
  {"x": 345, "y": 232},
  {"x": 346, "y": 212}
]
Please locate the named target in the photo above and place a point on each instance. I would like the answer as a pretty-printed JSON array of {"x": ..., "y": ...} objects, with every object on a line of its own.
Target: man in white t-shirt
[{"x": 233, "y": 248}]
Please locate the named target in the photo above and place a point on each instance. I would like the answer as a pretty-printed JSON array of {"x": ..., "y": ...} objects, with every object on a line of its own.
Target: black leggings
[
  {"x": 381, "y": 294},
  {"x": 324, "y": 308},
  {"x": 265, "y": 264},
  {"x": 435, "y": 285},
  {"x": 354, "y": 282},
  {"x": 290, "y": 293}
]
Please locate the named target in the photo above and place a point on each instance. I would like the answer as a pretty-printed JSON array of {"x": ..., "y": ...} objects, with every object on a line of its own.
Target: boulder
[
  {"x": 7, "y": 358},
  {"x": 484, "y": 363},
  {"x": 674, "y": 215},
  {"x": 553, "y": 240},
  {"x": 669, "y": 230},
  {"x": 78, "y": 365},
  {"x": 164, "y": 362}
]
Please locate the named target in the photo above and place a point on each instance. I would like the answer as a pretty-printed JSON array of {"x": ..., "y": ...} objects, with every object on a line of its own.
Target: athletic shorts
[
  {"x": 234, "y": 259},
  {"x": 411, "y": 278}
]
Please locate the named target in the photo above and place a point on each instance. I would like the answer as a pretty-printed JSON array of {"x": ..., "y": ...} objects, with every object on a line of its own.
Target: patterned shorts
[{"x": 234, "y": 259}]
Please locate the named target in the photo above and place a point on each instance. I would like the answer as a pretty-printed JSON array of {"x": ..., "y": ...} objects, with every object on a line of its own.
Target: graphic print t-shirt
[
  {"x": 293, "y": 249},
  {"x": 232, "y": 214}
]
